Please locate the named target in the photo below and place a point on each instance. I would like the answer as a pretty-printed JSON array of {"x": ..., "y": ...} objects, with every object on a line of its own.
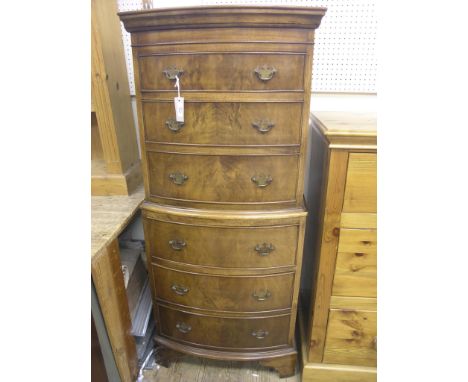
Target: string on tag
[{"x": 177, "y": 85}]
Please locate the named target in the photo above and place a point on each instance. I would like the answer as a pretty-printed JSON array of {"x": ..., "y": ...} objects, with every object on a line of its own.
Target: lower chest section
[{"x": 225, "y": 281}]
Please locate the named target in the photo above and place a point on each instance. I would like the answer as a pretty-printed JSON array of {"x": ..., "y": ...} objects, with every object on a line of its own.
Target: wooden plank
[
  {"x": 110, "y": 289},
  {"x": 358, "y": 303},
  {"x": 358, "y": 220},
  {"x": 356, "y": 264},
  {"x": 111, "y": 73},
  {"x": 316, "y": 372},
  {"x": 361, "y": 183},
  {"x": 351, "y": 338},
  {"x": 327, "y": 247},
  {"x": 110, "y": 215}
]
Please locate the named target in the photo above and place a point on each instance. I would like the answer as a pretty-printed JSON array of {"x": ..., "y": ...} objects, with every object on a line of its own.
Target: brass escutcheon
[
  {"x": 262, "y": 180},
  {"x": 265, "y": 73},
  {"x": 178, "y": 178},
  {"x": 260, "y": 334},
  {"x": 180, "y": 290},
  {"x": 263, "y": 125},
  {"x": 264, "y": 249},
  {"x": 172, "y": 72},
  {"x": 183, "y": 327},
  {"x": 173, "y": 125},
  {"x": 177, "y": 244},
  {"x": 262, "y": 296}
]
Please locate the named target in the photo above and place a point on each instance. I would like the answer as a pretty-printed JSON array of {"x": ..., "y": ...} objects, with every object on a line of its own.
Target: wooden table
[{"x": 109, "y": 217}]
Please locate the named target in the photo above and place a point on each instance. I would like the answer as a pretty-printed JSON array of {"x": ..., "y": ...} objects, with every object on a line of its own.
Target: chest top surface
[
  {"x": 347, "y": 128},
  {"x": 222, "y": 16}
]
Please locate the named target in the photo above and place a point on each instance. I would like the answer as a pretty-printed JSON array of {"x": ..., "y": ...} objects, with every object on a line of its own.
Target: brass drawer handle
[
  {"x": 262, "y": 296},
  {"x": 263, "y": 126},
  {"x": 265, "y": 73},
  {"x": 183, "y": 327},
  {"x": 178, "y": 178},
  {"x": 172, "y": 72},
  {"x": 177, "y": 244},
  {"x": 264, "y": 249},
  {"x": 180, "y": 290},
  {"x": 262, "y": 180},
  {"x": 174, "y": 125},
  {"x": 260, "y": 334}
]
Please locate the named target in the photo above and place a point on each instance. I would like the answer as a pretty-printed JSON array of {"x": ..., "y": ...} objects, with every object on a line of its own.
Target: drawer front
[
  {"x": 223, "y": 178},
  {"x": 236, "y": 333},
  {"x": 225, "y": 247},
  {"x": 351, "y": 338},
  {"x": 356, "y": 264},
  {"x": 224, "y": 293},
  {"x": 223, "y": 71},
  {"x": 224, "y": 123},
  {"x": 361, "y": 183}
]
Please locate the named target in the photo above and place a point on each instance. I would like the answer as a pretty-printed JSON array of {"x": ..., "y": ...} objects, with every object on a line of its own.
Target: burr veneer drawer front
[
  {"x": 224, "y": 293},
  {"x": 225, "y": 247},
  {"x": 227, "y": 179},
  {"x": 225, "y": 71},
  {"x": 224, "y": 123},
  {"x": 221, "y": 332}
]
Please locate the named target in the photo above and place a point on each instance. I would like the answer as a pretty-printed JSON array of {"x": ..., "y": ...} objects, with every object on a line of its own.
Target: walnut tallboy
[{"x": 224, "y": 218}]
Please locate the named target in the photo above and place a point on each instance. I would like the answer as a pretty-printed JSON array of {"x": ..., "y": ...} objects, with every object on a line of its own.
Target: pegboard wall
[{"x": 345, "y": 43}]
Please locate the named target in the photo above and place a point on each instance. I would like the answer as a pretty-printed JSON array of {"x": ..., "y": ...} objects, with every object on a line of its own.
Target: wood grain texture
[
  {"x": 356, "y": 264},
  {"x": 223, "y": 179},
  {"x": 226, "y": 247},
  {"x": 358, "y": 220},
  {"x": 348, "y": 130},
  {"x": 224, "y": 333},
  {"x": 327, "y": 247},
  {"x": 361, "y": 183},
  {"x": 111, "y": 101},
  {"x": 351, "y": 338},
  {"x": 208, "y": 176},
  {"x": 320, "y": 372},
  {"x": 225, "y": 123},
  {"x": 110, "y": 215},
  {"x": 226, "y": 16},
  {"x": 228, "y": 36},
  {"x": 223, "y": 293},
  {"x": 353, "y": 303},
  {"x": 222, "y": 71},
  {"x": 110, "y": 289}
]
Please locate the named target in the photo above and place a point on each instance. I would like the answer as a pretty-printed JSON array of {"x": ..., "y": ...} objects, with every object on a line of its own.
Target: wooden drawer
[
  {"x": 224, "y": 293},
  {"x": 225, "y": 247},
  {"x": 234, "y": 333},
  {"x": 223, "y": 178},
  {"x": 224, "y": 123},
  {"x": 351, "y": 337},
  {"x": 356, "y": 263},
  {"x": 224, "y": 71},
  {"x": 361, "y": 183}
]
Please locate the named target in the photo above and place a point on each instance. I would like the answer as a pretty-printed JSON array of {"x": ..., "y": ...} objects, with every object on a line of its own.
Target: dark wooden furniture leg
[{"x": 285, "y": 366}]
